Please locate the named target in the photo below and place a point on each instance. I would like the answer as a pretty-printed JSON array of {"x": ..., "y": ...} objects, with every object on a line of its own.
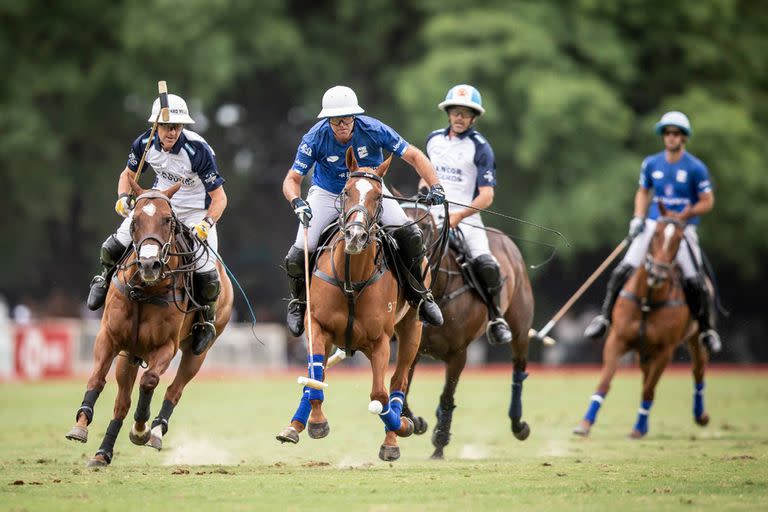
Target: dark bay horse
[
  {"x": 356, "y": 302},
  {"x": 466, "y": 318},
  {"x": 651, "y": 317},
  {"x": 146, "y": 319}
]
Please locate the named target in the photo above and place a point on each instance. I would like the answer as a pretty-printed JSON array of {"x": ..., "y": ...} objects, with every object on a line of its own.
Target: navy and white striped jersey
[
  {"x": 677, "y": 185},
  {"x": 463, "y": 163},
  {"x": 191, "y": 161}
]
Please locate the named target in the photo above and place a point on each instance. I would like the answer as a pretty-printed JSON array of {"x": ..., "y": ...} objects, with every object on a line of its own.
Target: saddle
[{"x": 459, "y": 251}]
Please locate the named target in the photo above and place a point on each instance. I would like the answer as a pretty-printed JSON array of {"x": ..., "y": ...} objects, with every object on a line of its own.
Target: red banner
[{"x": 44, "y": 350}]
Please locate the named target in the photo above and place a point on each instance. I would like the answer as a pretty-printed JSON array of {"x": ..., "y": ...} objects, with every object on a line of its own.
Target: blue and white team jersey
[
  {"x": 463, "y": 163},
  {"x": 677, "y": 185},
  {"x": 191, "y": 161},
  {"x": 320, "y": 148}
]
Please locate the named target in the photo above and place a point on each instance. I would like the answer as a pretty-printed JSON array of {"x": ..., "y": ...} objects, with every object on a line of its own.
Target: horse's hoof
[
  {"x": 97, "y": 462},
  {"x": 420, "y": 425},
  {"x": 78, "y": 433},
  {"x": 155, "y": 442},
  {"x": 703, "y": 420},
  {"x": 580, "y": 430},
  {"x": 318, "y": 430},
  {"x": 636, "y": 434},
  {"x": 288, "y": 435},
  {"x": 437, "y": 455},
  {"x": 389, "y": 453},
  {"x": 522, "y": 432},
  {"x": 407, "y": 429},
  {"x": 139, "y": 438}
]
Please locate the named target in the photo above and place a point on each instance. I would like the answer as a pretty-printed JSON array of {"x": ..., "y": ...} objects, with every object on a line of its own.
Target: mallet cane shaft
[
  {"x": 162, "y": 90},
  {"x": 309, "y": 381},
  {"x": 543, "y": 333}
]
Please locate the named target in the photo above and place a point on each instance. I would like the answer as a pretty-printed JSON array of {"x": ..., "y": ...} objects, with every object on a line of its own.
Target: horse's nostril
[{"x": 156, "y": 265}]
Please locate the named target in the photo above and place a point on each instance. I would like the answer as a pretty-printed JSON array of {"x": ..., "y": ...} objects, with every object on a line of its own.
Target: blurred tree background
[{"x": 572, "y": 90}]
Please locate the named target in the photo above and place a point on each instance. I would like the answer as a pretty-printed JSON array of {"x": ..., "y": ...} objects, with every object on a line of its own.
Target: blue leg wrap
[
  {"x": 302, "y": 412},
  {"x": 698, "y": 400},
  {"x": 315, "y": 371},
  {"x": 594, "y": 405},
  {"x": 642, "y": 416},
  {"x": 516, "y": 405},
  {"x": 391, "y": 413}
]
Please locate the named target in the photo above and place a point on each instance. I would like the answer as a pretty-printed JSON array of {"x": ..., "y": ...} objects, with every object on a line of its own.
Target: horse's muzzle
[
  {"x": 355, "y": 239},
  {"x": 149, "y": 269}
]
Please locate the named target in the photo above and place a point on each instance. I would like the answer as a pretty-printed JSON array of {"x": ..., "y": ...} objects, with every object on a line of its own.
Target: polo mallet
[
  {"x": 162, "y": 89},
  {"x": 542, "y": 334},
  {"x": 309, "y": 381}
]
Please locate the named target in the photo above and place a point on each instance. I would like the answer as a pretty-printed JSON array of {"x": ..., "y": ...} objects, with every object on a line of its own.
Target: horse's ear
[
  {"x": 351, "y": 161},
  {"x": 382, "y": 169},
  {"x": 172, "y": 190},
  {"x": 137, "y": 190}
]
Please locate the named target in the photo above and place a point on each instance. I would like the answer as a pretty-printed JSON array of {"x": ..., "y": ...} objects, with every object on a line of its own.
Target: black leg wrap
[
  {"x": 89, "y": 401},
  {"x": 142, "y": 408},
  {"x": 165, "y": 414},
  {"x": 516, "y": 405},
  {"x": 108, "y": 444},
  {"x": 442, "y": 434}
]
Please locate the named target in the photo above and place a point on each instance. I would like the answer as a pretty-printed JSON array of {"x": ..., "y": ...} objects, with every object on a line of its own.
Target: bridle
[
  {"x": 370, "y": 223},
  {"x": 165, "y": 246},
  {"x": 659, "y": 272}
]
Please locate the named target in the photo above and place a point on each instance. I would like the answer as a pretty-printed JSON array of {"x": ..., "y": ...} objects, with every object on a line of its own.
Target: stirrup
[{"x": 505, "y": 336}]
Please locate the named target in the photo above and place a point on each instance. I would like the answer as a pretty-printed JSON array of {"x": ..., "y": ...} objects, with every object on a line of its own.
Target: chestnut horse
[
  {"x": 652, "y": 317},
  {"x": 356, "y": 303},
  {"x": 146, "y": 319},
  {"x": 466, "y": 318}
]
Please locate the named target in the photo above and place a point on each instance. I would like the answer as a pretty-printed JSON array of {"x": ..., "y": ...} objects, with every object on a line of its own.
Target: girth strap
[{"x": 647, "y": 306}]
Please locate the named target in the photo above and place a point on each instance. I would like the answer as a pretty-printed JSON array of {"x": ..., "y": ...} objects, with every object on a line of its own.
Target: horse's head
[
  {"x": 152, "y": 230},
  {"x": 361, "y": 203},
  {"x": 662, "y": 252}
]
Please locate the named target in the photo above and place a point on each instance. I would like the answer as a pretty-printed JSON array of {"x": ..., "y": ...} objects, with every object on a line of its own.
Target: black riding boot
[
  {"x": 294, "y": 267},
  {"x": 411, "y": 245},
  {"x": 698, "y": 299},
  {"x": 487, "y": 271},
  {"x": 600, "y": 324},
  {"x": 111, "y": 252},
  {"x": 207, "y": 289}
]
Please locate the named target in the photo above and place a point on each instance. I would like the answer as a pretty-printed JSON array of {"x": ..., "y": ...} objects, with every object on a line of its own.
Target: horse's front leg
[
  {"x": 125, "y": 374},
  {"x": 652, "y": 370},
  {"x": 614, "y": 348},
  {"x": 157, "y": 364},
  {"x": 700, "y": 358},
  {"x": 309, "y": 413},
  {"x": 103, "y": 355}
]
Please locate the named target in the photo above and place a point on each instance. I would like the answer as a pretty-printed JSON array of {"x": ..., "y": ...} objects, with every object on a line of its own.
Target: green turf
[{"x": 221, "y": 453}]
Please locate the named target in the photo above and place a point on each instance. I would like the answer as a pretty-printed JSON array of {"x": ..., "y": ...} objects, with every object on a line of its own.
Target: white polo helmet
[
  {"x": 674, "y": 118},
  {"x": 339, "y": 101},
  {"x": 463, "y": 96},
  {"x": 177, "y": 107}
]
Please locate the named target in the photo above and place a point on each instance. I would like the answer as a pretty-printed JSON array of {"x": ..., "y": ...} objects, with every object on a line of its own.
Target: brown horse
[
  {"x": 466, "y": 318},
  {"x": 651, "y": 317},
  {"x": 356, "y": 303},
  {"x": 146, "y": 319}
]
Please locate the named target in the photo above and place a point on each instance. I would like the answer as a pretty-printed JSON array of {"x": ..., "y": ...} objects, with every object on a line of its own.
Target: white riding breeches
[
  {"x": 639, "y": 247},
  {"x": 206, "y": 261},
  {"x": 472, "y": 228},
  {"x": 324, "y": 211}
]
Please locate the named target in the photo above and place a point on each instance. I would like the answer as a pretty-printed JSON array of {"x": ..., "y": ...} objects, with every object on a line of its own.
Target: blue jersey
[
  {"x": 677, "y": 184},
  {"x": 320, "y": 148}
]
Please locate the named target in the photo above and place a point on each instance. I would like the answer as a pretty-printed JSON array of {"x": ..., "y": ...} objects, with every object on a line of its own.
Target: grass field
[{"x": 221, "y": 453}]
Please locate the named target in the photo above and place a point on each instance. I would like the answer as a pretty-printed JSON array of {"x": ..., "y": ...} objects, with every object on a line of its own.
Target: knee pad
[
  {"x": 487, "y": 268},
  {"x": 410, "y": 241},
  {"x": 208, "y": 285},
  {"x": 294, "y": 262},
  {"x": 111, "y": 251}
]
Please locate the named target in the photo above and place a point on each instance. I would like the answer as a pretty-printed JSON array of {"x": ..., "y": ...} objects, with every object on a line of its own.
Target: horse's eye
[{"x": 168, "y": 220}]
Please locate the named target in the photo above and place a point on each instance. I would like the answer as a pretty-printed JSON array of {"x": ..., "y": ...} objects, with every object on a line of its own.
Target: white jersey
[
  {"x": 462, "y": 163},
  {"x": 191, "y": 161}
]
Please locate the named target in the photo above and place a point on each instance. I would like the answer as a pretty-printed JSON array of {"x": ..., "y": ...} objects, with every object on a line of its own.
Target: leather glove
[
  {"x": 124, "y": 204},
  {"x": 302, "y": 210},
  {"x": 202, "y": 228},
  {"x": 436, "y": 195},
  {"x": 636, "y": 226}
]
